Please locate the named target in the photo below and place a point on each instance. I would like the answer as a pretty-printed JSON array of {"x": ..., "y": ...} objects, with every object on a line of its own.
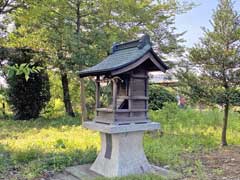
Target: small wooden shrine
[{"x": 124, "y": 121}]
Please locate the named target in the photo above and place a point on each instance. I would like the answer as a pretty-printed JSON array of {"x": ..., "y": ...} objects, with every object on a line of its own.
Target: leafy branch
[{"x": 25, "y": 68}]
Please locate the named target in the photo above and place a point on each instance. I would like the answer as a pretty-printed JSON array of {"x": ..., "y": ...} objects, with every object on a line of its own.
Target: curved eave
[{"x": 159, "y": 60}]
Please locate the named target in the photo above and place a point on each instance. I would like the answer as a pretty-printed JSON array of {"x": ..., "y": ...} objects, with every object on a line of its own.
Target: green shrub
[
  {"x": 158, "y": 96},
  {"x": 27, "y": 96}
]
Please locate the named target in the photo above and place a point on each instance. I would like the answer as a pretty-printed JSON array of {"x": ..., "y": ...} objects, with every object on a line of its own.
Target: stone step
[
  {"x": 82, "y": 172},
  {"x": 64, "y": 176}
]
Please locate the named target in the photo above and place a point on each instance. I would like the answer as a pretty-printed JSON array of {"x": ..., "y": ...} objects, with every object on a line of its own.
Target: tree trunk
[
  {"x": 82, "y": 87},
  {"x": 83, "y": 100},
  {"x": 66, "y": 95},
  {"x": 3, "y": 111},
  {"x": 225, "y": 122}
]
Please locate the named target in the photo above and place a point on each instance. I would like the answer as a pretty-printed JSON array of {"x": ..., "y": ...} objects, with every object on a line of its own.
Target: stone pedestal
[
  {"x": 122, "y": 151},
  {"x": 121, "y": 154}
]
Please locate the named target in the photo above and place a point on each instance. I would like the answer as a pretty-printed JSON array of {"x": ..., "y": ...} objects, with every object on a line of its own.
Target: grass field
[{"x": 29, "y": 149}]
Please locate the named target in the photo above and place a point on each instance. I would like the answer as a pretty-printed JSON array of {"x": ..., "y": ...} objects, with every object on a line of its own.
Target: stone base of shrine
[
  {"x": 122, "y": 150},
  {"x": 83, "y": 172},
  {"x": 121, "y": 154}
]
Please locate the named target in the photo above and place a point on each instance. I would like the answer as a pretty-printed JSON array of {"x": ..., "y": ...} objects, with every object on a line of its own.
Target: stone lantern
[{"x": 123, "y": 123}]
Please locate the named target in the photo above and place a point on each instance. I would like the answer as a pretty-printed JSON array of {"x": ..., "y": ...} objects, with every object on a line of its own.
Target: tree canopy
[{"x": 78, "y": 33}]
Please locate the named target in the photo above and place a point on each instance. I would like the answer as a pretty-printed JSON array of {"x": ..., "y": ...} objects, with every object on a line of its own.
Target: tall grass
[{"x": 188, "y": 130}]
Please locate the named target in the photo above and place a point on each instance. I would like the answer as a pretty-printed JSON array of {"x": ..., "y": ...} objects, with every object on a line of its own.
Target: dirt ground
[{"x": 220, "y": 164}]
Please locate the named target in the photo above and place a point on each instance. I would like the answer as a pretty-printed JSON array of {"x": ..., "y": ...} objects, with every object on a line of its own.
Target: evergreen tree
[{"x": 217, "y": 58}]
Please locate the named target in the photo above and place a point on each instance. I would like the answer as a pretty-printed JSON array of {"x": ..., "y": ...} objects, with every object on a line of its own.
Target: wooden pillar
[
  {"x": 97, "y": 92},
  {"x": 146, "y": 94},
  {"x": 130, "y": 95},
  {"x": 114, "y": 92}
]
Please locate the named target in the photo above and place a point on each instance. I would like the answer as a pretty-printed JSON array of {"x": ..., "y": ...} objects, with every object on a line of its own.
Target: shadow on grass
[
  {"x": 5, "y": 161},
  {"x": 33, "y": 162},
  {"x": 10, "y": 126}
]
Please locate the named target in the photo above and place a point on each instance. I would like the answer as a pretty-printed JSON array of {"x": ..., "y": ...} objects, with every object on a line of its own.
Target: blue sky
[{"x": 198, "y": 17}]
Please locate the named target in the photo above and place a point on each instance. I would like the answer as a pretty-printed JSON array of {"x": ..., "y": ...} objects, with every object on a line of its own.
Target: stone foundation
[
  {"x": 122, "y": 150},
  {"x": 121, "y": 155}
]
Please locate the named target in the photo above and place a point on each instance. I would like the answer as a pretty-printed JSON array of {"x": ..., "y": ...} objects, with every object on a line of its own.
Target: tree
[
  {"x": 49, "y": 27},
  {"x": 80, "y": 32},
  {"x": 83, "y": 18},
  {"x": 217, "y": 58},
  {"x": 126, "y": 20},
  {"x": 28, "y": 91},
  {"x": 70, "y": 46},
  {"x": 8, "y": 6}
]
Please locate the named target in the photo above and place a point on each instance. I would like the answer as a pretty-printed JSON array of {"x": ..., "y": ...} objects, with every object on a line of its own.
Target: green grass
[
  {"x": 39, "y": 145},
  {"x": 33, "y": 147}
]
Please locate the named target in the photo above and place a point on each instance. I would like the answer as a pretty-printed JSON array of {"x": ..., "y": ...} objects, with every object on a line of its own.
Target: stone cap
[{"x": 114, "y": 129}]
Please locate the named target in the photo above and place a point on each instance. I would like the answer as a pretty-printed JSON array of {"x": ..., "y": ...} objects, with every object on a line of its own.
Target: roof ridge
[{"x": 140, "y": 43}]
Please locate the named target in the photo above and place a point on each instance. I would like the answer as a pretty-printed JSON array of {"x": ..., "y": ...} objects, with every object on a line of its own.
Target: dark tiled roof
[{"x": 121, "y": 56}]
